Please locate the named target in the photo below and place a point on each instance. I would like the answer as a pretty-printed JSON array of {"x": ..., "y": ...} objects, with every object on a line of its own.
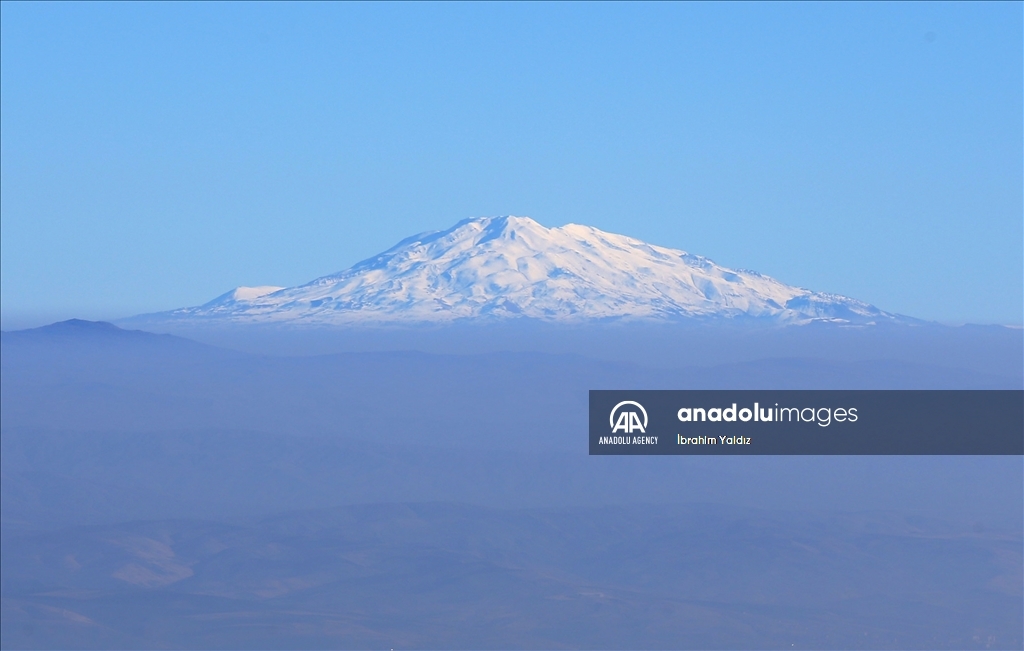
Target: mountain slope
[{"x": 498, "y": 268}]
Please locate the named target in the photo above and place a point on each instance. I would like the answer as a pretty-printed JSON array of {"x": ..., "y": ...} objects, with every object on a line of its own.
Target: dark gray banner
[{"x": 807, "y": 422}]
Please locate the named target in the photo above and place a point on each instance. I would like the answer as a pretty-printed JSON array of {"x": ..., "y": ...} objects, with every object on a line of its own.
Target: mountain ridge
[{"x": 501, "y": 268}]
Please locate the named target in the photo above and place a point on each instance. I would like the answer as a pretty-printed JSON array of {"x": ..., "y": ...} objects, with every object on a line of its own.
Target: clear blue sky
[{"x": 156, "y": 155}]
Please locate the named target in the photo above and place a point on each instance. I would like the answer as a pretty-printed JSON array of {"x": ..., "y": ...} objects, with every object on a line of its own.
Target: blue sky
[{"x": 153, "y": 156}]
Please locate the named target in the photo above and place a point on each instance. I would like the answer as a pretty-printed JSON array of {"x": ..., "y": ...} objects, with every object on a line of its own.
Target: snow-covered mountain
[{"x": 495, "y": 268}]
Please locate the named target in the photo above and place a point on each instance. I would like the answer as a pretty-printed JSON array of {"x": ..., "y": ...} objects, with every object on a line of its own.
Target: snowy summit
[{"x": 495, "y": 268}]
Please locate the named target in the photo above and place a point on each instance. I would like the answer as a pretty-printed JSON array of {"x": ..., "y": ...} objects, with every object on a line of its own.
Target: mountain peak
[
  {"x": 504, "y": 267},
  {"x": 240, "y": 294},
  {"x": 479, "y": 230},
  {"x": 504, "y": 223}
]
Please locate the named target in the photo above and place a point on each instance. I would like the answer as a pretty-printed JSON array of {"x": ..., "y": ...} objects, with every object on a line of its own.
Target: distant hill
[{"x": 80, "y": 331}]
